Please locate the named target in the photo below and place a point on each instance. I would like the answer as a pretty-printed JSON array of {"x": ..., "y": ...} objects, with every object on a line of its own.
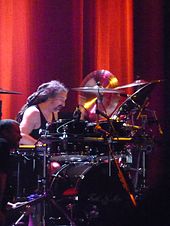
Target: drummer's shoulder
[{"x": 32, "y": 111}]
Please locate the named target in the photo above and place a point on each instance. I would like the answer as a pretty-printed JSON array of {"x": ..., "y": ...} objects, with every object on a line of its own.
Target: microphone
[{"x": 77, "y": 114}]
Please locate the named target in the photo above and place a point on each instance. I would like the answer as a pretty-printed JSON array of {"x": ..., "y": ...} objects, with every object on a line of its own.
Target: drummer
[{"x": 42, "y": 107}]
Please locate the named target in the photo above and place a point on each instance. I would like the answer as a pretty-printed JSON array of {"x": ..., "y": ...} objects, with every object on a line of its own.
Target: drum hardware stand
[
  {"x": 111, "y": 156},
  {"x": 43, "y": 181},
  {"x": 119, "y": 171},
  {"x": 138, "y": 171},
  {"x": 142, "y": 157},
  {"x": 143, "y": 150},
  {"x": 107, "y": 134},
  {"x": 98, "y": 127},
  {"x": 18, "y": 177}
]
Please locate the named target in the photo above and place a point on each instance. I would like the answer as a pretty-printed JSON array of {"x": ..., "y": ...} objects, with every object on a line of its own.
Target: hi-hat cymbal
[
  {"x": 97, "y": 90},
  {"x": 3, "y": 91},
  {"x": 133, "y": 84}
]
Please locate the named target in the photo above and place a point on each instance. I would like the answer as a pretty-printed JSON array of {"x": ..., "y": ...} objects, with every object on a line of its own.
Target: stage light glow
[{"x": 55, "y": 165}]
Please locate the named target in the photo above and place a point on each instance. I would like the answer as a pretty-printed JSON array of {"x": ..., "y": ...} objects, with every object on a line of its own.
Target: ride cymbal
[{"x": 97, "y": 90}]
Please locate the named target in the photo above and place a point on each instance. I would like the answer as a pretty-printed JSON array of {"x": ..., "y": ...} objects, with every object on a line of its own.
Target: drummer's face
[{"x": 58, "y": 102}]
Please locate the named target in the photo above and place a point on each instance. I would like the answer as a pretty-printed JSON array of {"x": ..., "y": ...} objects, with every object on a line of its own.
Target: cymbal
[
  {"x": 138, "y": 100},
  {"x": 98, "y": 82},
  {"x": 3, "y": 91},
  {"x": 133, "y": 84},
  {"x": 97, "y": 90}
]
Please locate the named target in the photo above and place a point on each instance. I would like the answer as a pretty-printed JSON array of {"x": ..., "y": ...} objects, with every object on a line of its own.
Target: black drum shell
[
  {"x": 88, "y": 178},
  {"x": 71, "y": 127}
]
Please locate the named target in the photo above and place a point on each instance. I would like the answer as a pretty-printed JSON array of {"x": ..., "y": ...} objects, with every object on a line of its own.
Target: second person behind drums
[{"x": 42, "y": 107}]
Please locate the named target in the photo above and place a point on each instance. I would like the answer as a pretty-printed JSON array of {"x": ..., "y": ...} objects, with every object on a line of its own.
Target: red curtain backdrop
[
  {"x": 14, "y": 53},
  {"x": 64, "y": 40}
]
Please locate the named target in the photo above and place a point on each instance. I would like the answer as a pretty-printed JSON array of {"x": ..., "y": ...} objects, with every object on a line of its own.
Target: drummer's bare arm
[
  {"x": 27, "y": 139},
  {"x": 30, "y": 121}
]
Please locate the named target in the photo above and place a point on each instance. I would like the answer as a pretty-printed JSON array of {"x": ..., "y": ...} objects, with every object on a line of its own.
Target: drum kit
[{"x": 95, "y": 163}]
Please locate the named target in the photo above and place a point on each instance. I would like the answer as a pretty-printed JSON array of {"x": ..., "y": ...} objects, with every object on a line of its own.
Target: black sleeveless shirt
[{"x": 35, "y": 133}]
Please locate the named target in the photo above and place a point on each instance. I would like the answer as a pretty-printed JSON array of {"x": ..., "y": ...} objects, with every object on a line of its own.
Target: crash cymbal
[
  {"x": 3, "y": 91},
  {"x": 101, "y": 78},
  {"x": 98, "y": 82},
  {"x": 97, "y": 90},
  {"x": 133, "y": 84}
]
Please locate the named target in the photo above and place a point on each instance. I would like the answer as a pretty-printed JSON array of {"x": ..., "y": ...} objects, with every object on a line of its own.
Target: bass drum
[{"x": 88, "y": 195}]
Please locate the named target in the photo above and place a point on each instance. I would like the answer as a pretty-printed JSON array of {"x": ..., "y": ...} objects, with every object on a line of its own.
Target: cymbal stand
[
  {"x": 142, "y": 158},
  {"x": 144, "y": 151},
  {"x": 106, "y": 134},
  {"x": 111, "y": 154},
  {"x": 98, "y": 127},
  {"x": 118, "y": 170}
]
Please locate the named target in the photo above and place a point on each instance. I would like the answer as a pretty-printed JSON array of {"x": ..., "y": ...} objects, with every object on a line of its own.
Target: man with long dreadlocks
[{"x": 42, "y": 107}]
